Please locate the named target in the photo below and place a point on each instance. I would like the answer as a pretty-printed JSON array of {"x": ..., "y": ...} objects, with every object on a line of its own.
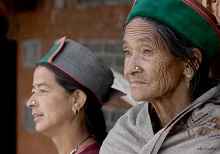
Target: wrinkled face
[
  {"x": 158, "y": 73},
  {"x": 52, "y": 106}
]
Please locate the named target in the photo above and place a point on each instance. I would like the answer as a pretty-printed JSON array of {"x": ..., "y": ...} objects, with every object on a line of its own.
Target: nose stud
[
  {"x": 137, "y": 67},
  {"x": 33, "y": 102}
]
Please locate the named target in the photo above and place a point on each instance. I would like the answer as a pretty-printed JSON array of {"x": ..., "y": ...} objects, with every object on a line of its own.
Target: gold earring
[
  {"x": 73, "y": 113},
  {"x": 188, "y": 79}
]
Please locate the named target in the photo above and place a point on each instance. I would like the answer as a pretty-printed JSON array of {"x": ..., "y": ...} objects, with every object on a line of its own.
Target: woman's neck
[{"x": 171, "y": 105}]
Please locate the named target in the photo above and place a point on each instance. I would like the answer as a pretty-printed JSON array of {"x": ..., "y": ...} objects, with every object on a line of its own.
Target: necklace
[{"x": 74, "y": 150}]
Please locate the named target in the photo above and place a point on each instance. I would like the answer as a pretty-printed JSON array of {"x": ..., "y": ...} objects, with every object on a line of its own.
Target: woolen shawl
[{"x": 133, "y": 133}]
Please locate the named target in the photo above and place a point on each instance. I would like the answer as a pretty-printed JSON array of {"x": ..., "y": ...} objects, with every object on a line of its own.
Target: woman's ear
[
  {"x": 197, "y": 53},
  {"x": 195, "y": 61},
  {"x": 78, "y": 100}
]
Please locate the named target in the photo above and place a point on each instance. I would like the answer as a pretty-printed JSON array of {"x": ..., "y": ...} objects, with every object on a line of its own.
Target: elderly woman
[
  {"x": 68, "y": 95},
  {"x": 168, "y": 46}
]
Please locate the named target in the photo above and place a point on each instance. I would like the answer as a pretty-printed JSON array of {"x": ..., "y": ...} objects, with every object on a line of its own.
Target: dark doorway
[{"x": 8, "y": 50}]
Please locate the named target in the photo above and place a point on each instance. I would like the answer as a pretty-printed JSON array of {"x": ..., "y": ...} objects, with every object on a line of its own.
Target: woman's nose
[
  {"x": 133, "y": 67},
  {"x": 30, "y": 103},
  {"x": 137, "y": 69}
]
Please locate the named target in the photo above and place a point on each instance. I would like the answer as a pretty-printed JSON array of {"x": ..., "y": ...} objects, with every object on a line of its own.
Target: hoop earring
[{"x": 73, "y": 113}]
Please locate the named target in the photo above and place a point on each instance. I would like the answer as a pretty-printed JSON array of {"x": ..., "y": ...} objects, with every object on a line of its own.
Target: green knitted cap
[{"x": 184, "y": 17}]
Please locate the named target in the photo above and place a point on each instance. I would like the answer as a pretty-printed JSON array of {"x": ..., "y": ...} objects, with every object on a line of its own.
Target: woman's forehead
[
  {"x": 138, "y": 25},
  {"x": 139, "y": 30}
]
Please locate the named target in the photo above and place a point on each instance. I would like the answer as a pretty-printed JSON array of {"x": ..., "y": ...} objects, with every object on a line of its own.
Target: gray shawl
[{"x": 133, "y": 133}]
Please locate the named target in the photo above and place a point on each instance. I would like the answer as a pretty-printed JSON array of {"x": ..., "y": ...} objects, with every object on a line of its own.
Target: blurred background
[{"x": 29, "y": 29}]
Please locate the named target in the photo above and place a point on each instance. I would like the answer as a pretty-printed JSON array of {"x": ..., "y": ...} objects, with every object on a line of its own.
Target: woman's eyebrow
[{"x": 40, "y": 84}]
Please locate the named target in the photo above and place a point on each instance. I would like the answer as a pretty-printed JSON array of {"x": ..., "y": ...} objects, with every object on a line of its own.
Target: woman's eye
[
  {"x": 146, "y": 51},
  {"x": 126, "y": 52},
  {"x": 42, "y": 91}
]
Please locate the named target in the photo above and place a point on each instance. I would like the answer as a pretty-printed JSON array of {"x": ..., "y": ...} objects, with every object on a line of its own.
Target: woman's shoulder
[
  {"x": 134, "y": 115},
  {"x": 136, "y": 108}
]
